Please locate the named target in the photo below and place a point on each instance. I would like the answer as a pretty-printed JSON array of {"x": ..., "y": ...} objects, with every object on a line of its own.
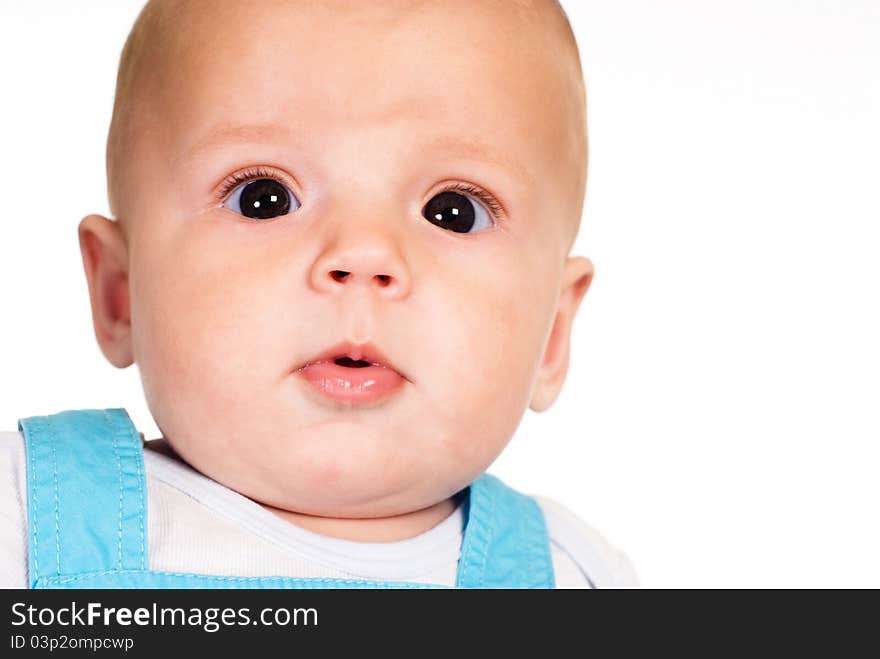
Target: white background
[{"x": 720, "y": 421}]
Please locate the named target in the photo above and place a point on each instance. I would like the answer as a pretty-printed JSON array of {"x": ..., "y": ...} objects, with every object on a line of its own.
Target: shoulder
[
  {"x": 581, "y": 553},
  {"x": 13, "y": 512},
  {"x": 11, "y": 447}
]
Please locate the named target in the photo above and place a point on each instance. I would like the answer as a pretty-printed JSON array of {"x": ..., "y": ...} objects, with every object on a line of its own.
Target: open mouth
[
  {"x": 352, "y": 374},
  {"x": 348, "y": 362},
  {"x": 352, "y": 356}
]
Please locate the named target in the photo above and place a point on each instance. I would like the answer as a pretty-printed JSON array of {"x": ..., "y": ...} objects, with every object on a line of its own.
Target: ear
[
  {"x": 576, "y": 278},
  {"x": 105, "y": 259}
]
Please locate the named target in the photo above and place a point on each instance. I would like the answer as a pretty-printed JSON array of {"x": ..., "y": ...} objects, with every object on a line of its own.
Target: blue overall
[{"x": 87, "y": 518}]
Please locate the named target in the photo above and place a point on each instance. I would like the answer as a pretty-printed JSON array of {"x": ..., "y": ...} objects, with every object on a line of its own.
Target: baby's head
[{"x": 290, "y": 176}]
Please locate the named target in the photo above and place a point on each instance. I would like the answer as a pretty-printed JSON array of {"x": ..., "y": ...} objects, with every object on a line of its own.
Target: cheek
[
  {"x": 511, "y": 307},
  {"x": 487, "y": 330},
  {"x": 201, "y": 319}
]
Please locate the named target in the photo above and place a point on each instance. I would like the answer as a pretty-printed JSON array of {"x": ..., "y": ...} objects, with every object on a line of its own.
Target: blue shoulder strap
[
  {"x": 86, "y": 496},
  {"x": 506, "y": 544}
]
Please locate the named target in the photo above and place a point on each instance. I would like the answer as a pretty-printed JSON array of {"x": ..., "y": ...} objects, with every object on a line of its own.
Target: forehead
[{"x": 461, "y": 76}]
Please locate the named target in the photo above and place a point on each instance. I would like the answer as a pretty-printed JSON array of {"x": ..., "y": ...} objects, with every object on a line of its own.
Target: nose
[{"x": 369, "y": 257}]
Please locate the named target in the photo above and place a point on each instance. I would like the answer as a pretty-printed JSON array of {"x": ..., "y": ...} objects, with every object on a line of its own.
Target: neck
[{"x": 373, "y": 529}]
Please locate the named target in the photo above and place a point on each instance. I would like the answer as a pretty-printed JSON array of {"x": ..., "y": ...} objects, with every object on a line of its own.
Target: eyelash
[{"x": 233, "y": 181}]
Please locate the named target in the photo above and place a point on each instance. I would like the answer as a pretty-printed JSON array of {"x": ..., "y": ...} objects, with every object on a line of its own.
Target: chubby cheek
[
  {"x": 203, "y": 322},
  {"x": 492, "y": 335}
]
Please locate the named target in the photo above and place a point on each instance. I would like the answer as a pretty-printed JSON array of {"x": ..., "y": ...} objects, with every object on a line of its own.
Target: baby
[{"x": 340, "y": 262}]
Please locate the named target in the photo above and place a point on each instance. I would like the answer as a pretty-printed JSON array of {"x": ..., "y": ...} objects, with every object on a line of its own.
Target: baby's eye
[
  {"x": 459, "y": 212},
  {"x": 261, "y": 199}
]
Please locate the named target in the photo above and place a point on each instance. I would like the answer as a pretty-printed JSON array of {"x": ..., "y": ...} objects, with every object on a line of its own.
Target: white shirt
[{"x": 197, "y": 525}]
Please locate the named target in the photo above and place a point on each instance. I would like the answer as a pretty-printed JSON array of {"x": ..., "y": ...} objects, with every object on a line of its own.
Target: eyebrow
[
  {"x": 235, "y": 134},
  {"x": 472, "y": 148},
  {"x": 480, "y": 150}
]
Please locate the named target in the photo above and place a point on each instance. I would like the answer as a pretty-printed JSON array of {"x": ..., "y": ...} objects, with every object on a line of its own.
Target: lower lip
[{"x": 352, "y": 385}]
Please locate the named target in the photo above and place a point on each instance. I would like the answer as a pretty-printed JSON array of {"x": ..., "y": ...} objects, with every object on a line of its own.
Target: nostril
[{"x": 342, "y": 275}]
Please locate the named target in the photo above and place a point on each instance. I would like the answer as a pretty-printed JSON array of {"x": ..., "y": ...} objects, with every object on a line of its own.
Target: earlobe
[
  {"x": 576, "y": 279},
  {"x": 105, "y": 260}
]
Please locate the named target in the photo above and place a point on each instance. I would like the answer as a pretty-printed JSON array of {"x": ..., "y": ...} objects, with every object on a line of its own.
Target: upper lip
[{"x": 355, "y": 351}]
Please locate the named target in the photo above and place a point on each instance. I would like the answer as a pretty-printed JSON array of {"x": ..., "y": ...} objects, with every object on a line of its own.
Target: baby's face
[{"x": 353, "y": 122}]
